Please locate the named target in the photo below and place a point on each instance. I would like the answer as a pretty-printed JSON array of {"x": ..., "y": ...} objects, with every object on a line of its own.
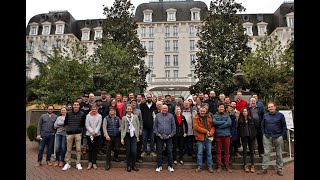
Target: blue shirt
[{"x": 273, "y": 125}]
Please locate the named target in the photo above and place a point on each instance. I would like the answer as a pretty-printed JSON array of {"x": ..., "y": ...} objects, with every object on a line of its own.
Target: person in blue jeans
[
  {"x": 45, "y": 134},
  {"x": 204, "y": 131},
  {"x": 61, "y": 138}
]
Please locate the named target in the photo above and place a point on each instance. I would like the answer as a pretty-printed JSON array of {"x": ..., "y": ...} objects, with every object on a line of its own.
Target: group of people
[{"x": 166, "y": 124}]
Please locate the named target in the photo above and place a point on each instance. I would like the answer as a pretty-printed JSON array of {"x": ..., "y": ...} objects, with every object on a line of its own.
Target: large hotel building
[{"x": 167, "y": 28}]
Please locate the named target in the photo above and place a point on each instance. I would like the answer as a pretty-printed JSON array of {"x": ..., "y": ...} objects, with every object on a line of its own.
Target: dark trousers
[
  {"x": 139, "y": 147},
  {"x": 148, "y": 134},
  {"x": 160, "y": 143},
  {"x": 131, "y": 149},
  {"x": 114, "y": 144},
  {"x": 245, "y": 142},
  {"x": 234, "y": 147},
  {"x": 260, "y": 143},
  {"x": 46, "y": 141},
  {"x": 102, "y": 141},
  {"x": 188, "y": 144},
  {"x": 93, "y": 149},
  {"x": 178, "y": 142}
]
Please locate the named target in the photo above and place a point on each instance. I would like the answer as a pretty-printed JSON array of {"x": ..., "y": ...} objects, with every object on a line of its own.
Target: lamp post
[{"x": 98, "y": 78}]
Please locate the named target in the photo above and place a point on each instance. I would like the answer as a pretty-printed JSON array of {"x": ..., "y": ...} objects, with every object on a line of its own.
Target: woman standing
[
  {"x": 93, "y": 124},
  {"x": 247, "y": 133},
  {"x": 181, "y": 133},
  {"x": 61, "y": 139},
  {"x": 130, "y": 136}
]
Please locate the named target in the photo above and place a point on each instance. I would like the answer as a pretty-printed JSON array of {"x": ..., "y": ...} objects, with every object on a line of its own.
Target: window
[
  {"x": 143, "y": 32},
  {"x": 248, "y": 28},
  {"x": 97, "y": 34},
  {"x": 262, "y": 28},
  {"x": 143, "y": 43},
  {"x": 151, "y": 32},
  {"x": 43, "y": 58},
  {"x": 29, "y": 59},
  {"x": 167, "y": 45},
  {"x": 175, "y": 31},
  {"x": 150, "y": 63},
  {"x": 167, "y": 33},
  {"x": 46, "y": 30},
  {"x": 175, "y": 60},
  {"x": 58, "y": 44},
  {"x": 191, "y": 31},
  {"x": 167, "y": 72},
  {"x": 167, "y": 60},
  {"x": 150, "y": 46},
  {"x": 28, "y": 73},
  {"x": 175, "y": 73},
  {"x": 171, "y": 14},
  {"x": 85, "y": 35},
  {"x": 43, "y": 46},
  {"x": 147, "y": 15},
  {"x": 150, "y": 76},
  {"x": 175, "y": 45},
  {"x": 33, "y": 30},
  {"x": 30, "y": 47},
  {"x": 192, "y": 46},
  {"x": 59, "y": 27},
  {"x": 290, "y": 19},
  {"x": 192, "y": 58},
  {"x": 195, "y": 14}
]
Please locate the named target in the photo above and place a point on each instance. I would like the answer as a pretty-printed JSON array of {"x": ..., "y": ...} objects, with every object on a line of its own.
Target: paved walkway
[{"x": 45, "y": 172}]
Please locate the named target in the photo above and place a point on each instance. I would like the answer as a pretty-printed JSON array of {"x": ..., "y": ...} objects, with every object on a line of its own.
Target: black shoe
[
  {"x": 135, "y": 168},
  {"x": 139, "y": 161},
  {"x": 116, "y": 160},
  {"x": 107, "y": 167},
  {"x": 280, "y": 173},
  {"x": 129, "y": 169}
]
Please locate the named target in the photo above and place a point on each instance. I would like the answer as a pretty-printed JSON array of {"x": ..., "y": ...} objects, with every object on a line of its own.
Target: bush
[{"x": 32, "y": 132}]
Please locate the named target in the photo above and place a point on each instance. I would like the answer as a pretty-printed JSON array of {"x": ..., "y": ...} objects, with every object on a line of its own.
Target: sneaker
[
  {"x": 143, "y": 154},
  {"x": 61, "y": 163},
  {"x": 158, "y": 169},
  {"x": 153, "y": 154},
  {"x": 78, "y": 166},
  {"x": 49, "y": 163},
  {"x": 94, "y": 166},
  {"x": 170, "y": 169},
  {"x": 38, "y": 163},
  {"x": 198, "y": 169},
  {"x": 181, "y": 162},
  {"x": 210, "y": 170},
  {"x": 89, "y": 165},
  {"x": 175, "y": 162},
  {"x": 66, "y": 167}
]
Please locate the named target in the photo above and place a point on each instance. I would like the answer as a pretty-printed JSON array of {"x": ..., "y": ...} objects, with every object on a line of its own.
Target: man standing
[
  {"x": 212, "y": 102},
  {"x": 45, "y": 134},
  {"x": 74, "y": 123},
  {"x": 273, "y": 128},
  {"x": 164, "y": 127},
  {"x": 85, "y": 108},
  {"x": 240, "y": 103}
]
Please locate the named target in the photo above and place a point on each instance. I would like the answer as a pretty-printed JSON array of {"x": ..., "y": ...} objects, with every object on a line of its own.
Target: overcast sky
[{"x": 93, "y": 9}]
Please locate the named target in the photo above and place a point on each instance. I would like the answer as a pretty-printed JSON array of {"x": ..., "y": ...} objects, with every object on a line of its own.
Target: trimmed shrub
[{"x": 32, "y": 132}]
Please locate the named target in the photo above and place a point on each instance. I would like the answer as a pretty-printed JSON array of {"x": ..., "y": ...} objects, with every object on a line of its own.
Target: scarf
[{"x": 131, "y": 128}]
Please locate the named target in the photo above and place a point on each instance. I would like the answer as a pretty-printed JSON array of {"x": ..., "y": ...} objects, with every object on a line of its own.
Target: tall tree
[
  {"x": 66, "y": 75},
  {"x": 269, "y": 70},
  {"x": 120, "y": 50},
  {"x": 222, "y": 46}
]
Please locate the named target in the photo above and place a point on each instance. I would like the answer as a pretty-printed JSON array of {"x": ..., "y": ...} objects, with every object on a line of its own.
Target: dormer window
[
  {"x": 171, "y": 14},
  {"x": 147, "y": 15},
  {"x": 33, "y": 29},
  {"x": 290, "y": 19},
  {"x": 85, "y": 34},
  {"x": 195, "y": 14},
  {"x": 46, "y": 28},
  {"x": 60, "y": 27},
  {"x": 248, "y": 28},
  {"x": 97, "y": 33},
  {"x": 262, "y": 28}
]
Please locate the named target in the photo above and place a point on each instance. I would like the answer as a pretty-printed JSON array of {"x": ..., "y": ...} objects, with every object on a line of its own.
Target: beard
[{"x": 149, "y": 100}]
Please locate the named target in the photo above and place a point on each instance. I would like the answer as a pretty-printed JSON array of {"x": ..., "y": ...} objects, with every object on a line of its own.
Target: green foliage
[
  {"x": 120, "y": 52},
  {"x": 222, "y": 46},
  {"x": 269, "y": 70},
  {"x": 66, "y": 74},
  {"x": 32, "y": 132}
]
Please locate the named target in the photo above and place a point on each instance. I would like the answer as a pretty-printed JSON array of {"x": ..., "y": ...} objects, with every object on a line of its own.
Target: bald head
[{"x": 164, "y": 109}]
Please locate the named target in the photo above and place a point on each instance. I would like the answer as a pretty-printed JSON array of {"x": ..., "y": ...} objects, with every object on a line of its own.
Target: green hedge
[{"x": 32, "y": 132}]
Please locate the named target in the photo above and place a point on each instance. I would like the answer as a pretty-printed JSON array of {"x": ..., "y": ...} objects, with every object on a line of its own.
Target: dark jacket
[
  {"x": 112, "y": 127},
  {"x": 213, "y": 103},
  {"x": 147, "y": 117},
  {"x": 251, "y": 128},
  {"x": 75, "y": 122},
  {"x": 233, "y": 128},
  {"x": 183, "y": 127},
  {"x": 257, "y": 123},
  {"x": 274, "y": 125}
]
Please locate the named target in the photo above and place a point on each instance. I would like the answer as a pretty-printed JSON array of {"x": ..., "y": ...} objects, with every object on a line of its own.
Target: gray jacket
[
  {"x": 59, "y": 125},
  {"x": 125, "y": 126},
  {"x": 45, "y": 124},
  {"x": 164, "y": 126}
]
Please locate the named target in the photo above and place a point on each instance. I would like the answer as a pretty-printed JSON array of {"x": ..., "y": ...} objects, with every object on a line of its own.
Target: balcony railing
[
  {"x": 172, "y": 79},
  {"x": 43, "y": 48},
  {"x": 30, "y": 49}
]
